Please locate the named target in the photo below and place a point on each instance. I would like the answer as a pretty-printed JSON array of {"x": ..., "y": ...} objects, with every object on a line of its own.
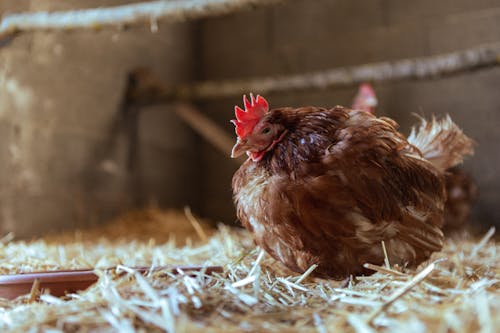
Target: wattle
[{"x": 257, "y": 155}]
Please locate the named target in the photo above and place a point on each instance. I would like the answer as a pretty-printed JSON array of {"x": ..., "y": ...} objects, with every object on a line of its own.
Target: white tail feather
[{"x": 441, "y": 142}]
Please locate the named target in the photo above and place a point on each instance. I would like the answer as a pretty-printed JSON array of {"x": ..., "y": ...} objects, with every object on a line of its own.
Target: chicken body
[{"x": 336, "y": 185}]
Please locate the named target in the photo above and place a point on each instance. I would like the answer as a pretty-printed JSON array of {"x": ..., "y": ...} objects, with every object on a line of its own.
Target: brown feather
[{"x": 462, "y": 193}]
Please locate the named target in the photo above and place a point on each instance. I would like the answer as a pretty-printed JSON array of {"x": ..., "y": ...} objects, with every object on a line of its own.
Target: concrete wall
[
  {"x": 306, "y": 35},
  {"x": 63, "y": 149}
]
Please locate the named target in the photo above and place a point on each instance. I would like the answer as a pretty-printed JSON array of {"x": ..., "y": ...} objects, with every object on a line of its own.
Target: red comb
[
  {"x": 367, "y": 88},
  {"x": 246, "y": 119}
]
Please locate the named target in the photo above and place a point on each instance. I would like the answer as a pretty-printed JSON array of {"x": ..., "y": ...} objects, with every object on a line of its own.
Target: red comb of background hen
[
  {"x": 365, "y": 99},
  {"x": 246, "y": 119}
]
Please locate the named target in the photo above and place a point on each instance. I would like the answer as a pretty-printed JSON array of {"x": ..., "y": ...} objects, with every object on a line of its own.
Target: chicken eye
[{"x": 266, "y": 130}]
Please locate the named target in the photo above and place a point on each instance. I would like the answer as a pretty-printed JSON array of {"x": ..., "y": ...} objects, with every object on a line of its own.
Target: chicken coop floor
[{"x": 458, "y": 290}]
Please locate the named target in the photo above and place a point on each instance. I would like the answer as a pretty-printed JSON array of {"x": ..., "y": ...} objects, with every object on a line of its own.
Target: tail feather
[{"x": 441, "y": 142}]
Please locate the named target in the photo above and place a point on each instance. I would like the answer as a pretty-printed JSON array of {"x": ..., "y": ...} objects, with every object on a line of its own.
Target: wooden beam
[
  {"x": 152, "y": 11},
  {"x": 431, "y": 67}
]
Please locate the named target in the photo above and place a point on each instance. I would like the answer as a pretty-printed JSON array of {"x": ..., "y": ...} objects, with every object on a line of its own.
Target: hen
[{"x": 326, "y": 186}]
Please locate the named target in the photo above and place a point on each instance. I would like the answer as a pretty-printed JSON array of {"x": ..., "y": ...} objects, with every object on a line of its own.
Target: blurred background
[{"x": 68, "y": 158}]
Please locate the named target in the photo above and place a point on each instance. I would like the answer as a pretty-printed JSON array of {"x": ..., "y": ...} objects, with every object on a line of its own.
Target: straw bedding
[{"x": 458, "y": 290}]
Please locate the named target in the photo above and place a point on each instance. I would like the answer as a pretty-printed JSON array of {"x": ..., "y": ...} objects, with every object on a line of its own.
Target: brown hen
[{"x": 326, "y": 186}]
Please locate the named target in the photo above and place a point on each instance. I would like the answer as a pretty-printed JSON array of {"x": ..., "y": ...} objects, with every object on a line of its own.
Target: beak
[{"x": 239, "y": 149}]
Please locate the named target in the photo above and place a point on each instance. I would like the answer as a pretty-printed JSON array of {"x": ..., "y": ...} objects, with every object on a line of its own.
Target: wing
[{"x": 370, "y": 185}]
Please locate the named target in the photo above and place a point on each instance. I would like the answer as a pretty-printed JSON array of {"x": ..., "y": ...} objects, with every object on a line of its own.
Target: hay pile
[{"x": 255, "y": 293}]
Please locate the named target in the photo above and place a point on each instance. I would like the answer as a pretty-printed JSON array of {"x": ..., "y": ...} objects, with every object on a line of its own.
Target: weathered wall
[
  {"x": 306, "y": 35},
  {"x": 61, "y": 162},
  {"x": 64, "y": 164}
]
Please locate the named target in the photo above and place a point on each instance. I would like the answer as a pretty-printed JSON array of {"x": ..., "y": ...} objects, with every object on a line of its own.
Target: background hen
[{"x": 326, "y": 186}]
